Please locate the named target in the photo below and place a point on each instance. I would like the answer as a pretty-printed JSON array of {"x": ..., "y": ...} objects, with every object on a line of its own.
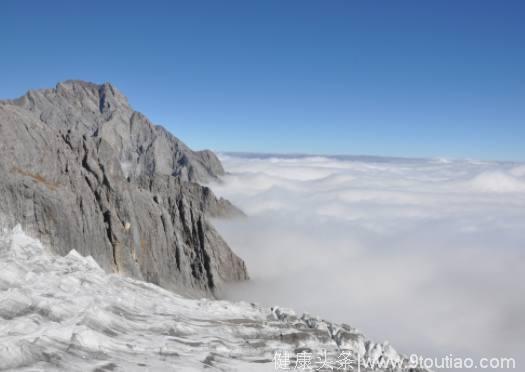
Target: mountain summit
[
  {"x": 81, "y": 169},
  {"x": 102, "y": 111}
]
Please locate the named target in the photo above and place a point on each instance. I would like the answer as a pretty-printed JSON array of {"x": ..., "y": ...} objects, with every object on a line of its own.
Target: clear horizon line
[{"x": 347, "y": 155}]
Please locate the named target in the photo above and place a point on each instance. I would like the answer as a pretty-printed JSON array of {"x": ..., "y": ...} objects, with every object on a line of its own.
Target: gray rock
[{"x": 81, "y": 170}]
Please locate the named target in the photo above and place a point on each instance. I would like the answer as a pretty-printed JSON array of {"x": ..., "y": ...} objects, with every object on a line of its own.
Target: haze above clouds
[{"x": 427, "y": 254}]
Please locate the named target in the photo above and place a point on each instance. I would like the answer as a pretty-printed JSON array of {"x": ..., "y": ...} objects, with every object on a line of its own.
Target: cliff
[{"x": 80, "y": 168}]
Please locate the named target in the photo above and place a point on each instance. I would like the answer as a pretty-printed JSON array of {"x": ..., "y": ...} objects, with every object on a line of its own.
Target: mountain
[
  {"x": 80, "y": 168},
  {"x": 102, "y": 191}
]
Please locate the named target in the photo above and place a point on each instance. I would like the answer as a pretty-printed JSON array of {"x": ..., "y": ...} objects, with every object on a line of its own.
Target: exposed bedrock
[{"x": 79, "y": 169}]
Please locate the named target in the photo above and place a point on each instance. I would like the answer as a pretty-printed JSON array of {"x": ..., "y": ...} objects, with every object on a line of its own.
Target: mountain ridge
[{"x": 80, "y": 168}]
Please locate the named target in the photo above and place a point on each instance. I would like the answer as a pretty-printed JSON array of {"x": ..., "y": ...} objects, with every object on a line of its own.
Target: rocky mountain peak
[
  {"x": 80, "y": 169},
  {"x": 105, "y": 96},
  {"x": 102, "y": 111}
]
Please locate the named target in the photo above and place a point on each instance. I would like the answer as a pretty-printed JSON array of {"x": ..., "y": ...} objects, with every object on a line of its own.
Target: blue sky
[{"x": 403, "y": 78}]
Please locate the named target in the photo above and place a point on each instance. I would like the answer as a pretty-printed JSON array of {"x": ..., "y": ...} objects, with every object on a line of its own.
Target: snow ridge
[{"x": 66, "y": 313}]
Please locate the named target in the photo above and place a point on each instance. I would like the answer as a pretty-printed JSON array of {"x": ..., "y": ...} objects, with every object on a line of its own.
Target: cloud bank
[{"x": 428, "y": 254}]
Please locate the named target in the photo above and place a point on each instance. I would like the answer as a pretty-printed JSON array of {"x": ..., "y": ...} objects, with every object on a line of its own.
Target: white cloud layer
[{"x": 428, "y": 254}]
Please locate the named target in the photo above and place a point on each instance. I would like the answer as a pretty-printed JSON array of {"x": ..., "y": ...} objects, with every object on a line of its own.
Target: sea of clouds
[{"x": 428, "y": 254}]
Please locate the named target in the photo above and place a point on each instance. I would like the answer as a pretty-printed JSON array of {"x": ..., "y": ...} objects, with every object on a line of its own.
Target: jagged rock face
[
  {"x": 103, "y": 112},
  {"x": 80, "y": 169}
]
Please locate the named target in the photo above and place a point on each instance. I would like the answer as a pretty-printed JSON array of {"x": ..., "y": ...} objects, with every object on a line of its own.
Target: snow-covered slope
[{"x": 67, "y": 314}]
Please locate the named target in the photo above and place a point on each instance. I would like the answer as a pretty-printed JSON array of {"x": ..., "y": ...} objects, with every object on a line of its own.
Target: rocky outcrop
[{"x": 80, "y": 169}]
